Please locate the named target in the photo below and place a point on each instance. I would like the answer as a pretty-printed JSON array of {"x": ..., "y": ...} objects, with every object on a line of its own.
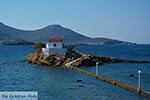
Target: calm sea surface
[{"x": 60, "y": 84}]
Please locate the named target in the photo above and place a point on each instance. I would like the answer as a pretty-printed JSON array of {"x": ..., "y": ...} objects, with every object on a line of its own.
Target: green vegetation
[
  {"x": 38, "y": 45},
  {"x": 70, "y": 47}
]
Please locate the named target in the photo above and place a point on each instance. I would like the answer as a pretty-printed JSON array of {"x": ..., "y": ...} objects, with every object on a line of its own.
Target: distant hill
[
  {"x": 107, "y": 41},
  {"x": 10, "y": 35}
]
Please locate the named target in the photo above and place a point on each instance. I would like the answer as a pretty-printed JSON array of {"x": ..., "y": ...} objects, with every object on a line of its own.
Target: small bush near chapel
[{"x": 38, "y": 45}]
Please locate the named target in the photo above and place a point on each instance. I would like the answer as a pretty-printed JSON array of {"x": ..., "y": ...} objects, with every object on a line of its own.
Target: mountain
[
  {"x": 51, "y": 31},
  {"x": 10, "y": 35}
]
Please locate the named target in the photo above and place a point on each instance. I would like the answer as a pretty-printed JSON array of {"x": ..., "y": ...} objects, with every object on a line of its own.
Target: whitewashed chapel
[{"x": 55, "y": 46}]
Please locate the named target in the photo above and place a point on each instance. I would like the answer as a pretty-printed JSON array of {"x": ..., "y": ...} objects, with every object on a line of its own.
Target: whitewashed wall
[
  {"x": 51, "y": 45},
  {"x": 59, "y": 51}
]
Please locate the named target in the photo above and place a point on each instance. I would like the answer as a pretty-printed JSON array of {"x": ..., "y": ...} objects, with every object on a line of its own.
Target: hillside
[
  {"x": 10, "y": 35},
  {"x": 51, "y": 31},
  {"x": 107, "y": 41}
]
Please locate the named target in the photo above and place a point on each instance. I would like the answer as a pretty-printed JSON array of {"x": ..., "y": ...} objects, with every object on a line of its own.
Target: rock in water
[
  {"x": 50, "y": 60},
  {"x": 79, "y": 80}
]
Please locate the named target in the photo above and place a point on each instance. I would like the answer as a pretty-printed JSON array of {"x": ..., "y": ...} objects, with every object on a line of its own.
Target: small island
[{"x": 55, "y": 54}]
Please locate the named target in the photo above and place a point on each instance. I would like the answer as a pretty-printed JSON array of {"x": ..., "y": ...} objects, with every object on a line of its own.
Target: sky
[{"x": 127, "y": 20}]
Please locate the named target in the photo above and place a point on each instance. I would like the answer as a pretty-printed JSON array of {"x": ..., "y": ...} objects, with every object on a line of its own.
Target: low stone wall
[
  {"x": 114, "y": 82},
  {"x": 59, "y": 51}
]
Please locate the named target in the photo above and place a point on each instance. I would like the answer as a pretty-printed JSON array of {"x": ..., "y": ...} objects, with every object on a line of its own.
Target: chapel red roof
[{"x": 55, "y": 40}]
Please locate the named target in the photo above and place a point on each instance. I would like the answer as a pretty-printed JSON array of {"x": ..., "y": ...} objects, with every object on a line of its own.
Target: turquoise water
[{"x": 54, "y": 83}]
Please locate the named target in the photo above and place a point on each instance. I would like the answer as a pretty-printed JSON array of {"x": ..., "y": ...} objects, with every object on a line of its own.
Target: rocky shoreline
[{"x": 89, "y": 60}]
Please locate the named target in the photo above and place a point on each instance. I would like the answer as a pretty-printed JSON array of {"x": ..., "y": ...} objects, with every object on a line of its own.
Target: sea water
[{"x": 54, "y": 83}]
